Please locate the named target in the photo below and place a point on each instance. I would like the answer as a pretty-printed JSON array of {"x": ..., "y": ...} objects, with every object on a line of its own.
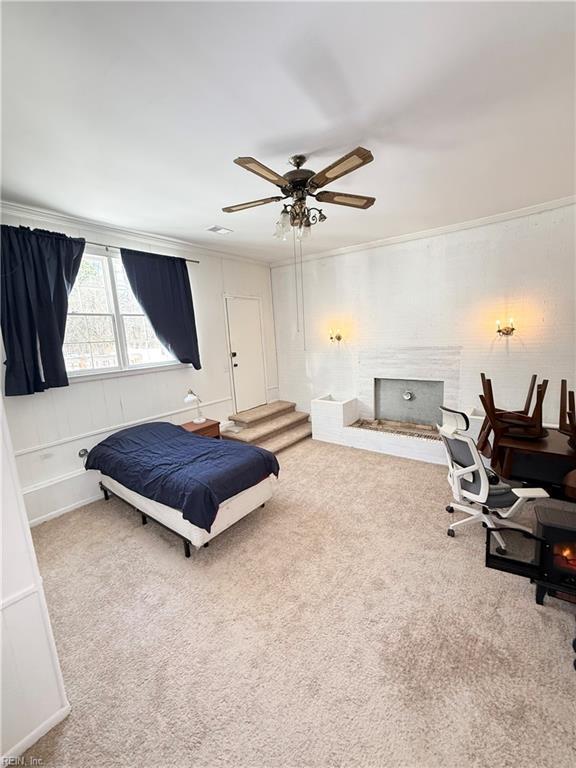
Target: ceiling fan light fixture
[
  {"x": 302, "y": 183},
  {"x": 283, "y": 225}
]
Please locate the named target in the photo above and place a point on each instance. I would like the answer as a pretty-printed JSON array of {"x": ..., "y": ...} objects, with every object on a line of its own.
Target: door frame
[{"x": 225, "y": 298}]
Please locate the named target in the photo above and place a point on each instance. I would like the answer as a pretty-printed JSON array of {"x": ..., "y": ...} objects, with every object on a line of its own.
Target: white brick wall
[{"x": 443, "y": 291}]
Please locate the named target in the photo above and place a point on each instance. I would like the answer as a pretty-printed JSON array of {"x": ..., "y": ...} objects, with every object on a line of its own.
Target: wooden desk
[
  {"x": 208, "y": 428},
  {"x": 544, "y": 461}
]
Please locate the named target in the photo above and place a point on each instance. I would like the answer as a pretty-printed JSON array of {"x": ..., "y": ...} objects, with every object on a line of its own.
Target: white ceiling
[{"x": 131, "y": 113}]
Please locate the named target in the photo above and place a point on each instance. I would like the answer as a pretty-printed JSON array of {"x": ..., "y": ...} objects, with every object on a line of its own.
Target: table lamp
[{"x": 192, "y": 397}]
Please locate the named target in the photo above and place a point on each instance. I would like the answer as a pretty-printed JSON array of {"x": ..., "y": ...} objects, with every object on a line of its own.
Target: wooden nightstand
[{"x": 208, "y": 428}]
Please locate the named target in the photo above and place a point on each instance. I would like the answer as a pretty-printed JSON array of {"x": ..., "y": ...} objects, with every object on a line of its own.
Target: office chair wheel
[
  {"x": 501, "y": 551},
  {"x": 450, "y": 532},
  {"x": 449, "y": 509}
]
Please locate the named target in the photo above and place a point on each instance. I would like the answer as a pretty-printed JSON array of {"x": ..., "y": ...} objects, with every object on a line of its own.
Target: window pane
[
  {"x": 76, "y": 329},
  {"x": 89, "y": 343},
  {"x": 99, "y": 328},
  {"x": 127, "y": 302},
  {"x": 77, "y": 357},
  {"x": 104, "y": 355},
  {"x": 89, "y": 293},
  {"x": 141, "y": 342}
]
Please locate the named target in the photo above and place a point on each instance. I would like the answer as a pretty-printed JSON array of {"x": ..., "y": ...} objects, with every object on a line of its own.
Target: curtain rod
[{"x": 117, "y": 248}]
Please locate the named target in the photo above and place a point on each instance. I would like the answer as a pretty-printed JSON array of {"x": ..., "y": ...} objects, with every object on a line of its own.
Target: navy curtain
[
  {"x": 162, "y": 287},
  {"x": 38, "y": 270}
]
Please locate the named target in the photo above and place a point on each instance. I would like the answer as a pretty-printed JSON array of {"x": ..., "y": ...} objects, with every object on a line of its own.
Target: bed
[{"x": 194, "y": 485}]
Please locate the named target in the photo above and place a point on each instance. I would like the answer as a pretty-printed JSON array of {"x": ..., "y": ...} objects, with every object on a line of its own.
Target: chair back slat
[
  {"x": 563, "y": 416},
  {"x": 530, "y": 394}
]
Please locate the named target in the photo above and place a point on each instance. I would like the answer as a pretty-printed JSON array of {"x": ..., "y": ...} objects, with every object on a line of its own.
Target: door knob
[
  {"x": 233, "y": 354},
  {"x": 235, "y": 365}
]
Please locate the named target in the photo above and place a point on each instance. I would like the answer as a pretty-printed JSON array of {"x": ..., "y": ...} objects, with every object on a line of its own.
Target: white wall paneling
[
  {"x": 49, "y": 428},
  {"x": 444, "y": 291},
  {"x": 33, "y": 695}
]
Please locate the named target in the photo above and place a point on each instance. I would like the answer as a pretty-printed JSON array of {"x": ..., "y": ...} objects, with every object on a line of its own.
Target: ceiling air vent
[{"x": 219, "y": 230}]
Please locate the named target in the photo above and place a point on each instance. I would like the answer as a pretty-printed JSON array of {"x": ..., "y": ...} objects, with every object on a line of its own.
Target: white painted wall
[
  {"x": 33, "y": 695},
  {"x": 49, "y": 428},
  {"x": 442, "y": 291}
]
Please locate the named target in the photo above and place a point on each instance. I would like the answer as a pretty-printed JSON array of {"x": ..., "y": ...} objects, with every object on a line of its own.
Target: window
[{"x": 106, "y": 328}]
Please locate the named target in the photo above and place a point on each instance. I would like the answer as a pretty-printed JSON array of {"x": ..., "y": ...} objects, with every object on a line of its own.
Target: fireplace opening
[{"x": 408, "y": 401}]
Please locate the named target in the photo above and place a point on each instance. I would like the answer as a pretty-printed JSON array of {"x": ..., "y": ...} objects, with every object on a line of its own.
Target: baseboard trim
[
  {"x": 62, "y": 511},
  {"x": 28, "y": 741}
]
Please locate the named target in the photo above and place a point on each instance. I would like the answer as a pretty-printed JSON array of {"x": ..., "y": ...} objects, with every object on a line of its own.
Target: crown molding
[
  {"x": 112, "y": 234},
  {"x": 496, "y": 218}
]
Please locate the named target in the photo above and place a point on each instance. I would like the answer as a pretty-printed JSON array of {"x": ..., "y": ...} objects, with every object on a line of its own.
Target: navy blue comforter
[{"x": 188, "y": 472}]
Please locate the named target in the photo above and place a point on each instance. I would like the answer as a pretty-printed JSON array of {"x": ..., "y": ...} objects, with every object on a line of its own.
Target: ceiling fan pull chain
[
  {"x": 302, "y": 288},
  {"x": 296, "y": 280}
]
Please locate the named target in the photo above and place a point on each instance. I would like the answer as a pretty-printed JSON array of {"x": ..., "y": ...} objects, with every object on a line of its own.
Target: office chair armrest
[
  {"x": 530, "y": 493},
  {"x": 458, "y": 473}
]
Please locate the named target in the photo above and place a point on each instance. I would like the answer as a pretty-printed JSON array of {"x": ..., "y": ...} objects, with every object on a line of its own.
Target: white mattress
[{"x": 229, "y": 512}]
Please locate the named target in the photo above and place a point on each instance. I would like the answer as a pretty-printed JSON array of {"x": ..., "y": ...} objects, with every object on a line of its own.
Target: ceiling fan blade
[
  {"x": 350, "y": 162},
  {"x": 251, "y": 204},
  {"x": 343, "y": 198},
  {"x": 255, "y": 166}
]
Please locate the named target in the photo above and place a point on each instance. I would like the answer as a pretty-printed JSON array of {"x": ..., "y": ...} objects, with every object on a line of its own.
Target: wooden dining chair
[
  {"x": 567, "y": 419},
  {"x": 486, "y": 428},
  {"x": 502, "y": 423}
]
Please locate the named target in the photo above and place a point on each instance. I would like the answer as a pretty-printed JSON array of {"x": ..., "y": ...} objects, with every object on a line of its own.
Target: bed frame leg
[
  {"x": 144, "y": 518},
  {"x": 207, "y": 544},
  {"x": 186, "y": 548},
  {"x": 105, "y": 492}
]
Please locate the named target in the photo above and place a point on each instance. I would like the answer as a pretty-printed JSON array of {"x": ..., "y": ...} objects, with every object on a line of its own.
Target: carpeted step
[
  {"x": 268, "y": 411},
  {"x": 286, "y": 438},
  {"x": 263, "y": 429}
]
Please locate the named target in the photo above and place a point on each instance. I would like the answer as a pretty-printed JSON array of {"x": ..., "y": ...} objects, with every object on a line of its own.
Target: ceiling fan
[{"x": 302, "y": 183}]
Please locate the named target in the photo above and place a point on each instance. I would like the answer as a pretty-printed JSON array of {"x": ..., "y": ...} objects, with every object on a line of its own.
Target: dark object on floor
[{"x": 547, "y": 558}]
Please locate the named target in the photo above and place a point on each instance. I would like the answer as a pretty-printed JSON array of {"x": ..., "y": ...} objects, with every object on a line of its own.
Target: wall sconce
[
  {"x": 508, "y": 330},
  {"x": 335, "y": 335}
]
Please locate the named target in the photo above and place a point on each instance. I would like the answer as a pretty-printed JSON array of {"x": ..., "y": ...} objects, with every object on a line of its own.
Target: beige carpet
[{"x": 338, "y": 626}]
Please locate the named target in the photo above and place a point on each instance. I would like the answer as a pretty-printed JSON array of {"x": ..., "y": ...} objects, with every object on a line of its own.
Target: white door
[{"x": 247, "y": 352}]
